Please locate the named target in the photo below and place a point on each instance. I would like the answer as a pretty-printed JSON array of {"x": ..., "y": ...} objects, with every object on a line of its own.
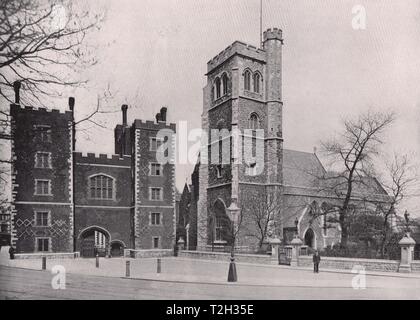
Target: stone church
[{"x": 244, "y": 91}]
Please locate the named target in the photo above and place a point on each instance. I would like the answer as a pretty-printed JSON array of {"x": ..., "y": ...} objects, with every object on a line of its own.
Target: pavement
[{"x": 252, "y": 278}]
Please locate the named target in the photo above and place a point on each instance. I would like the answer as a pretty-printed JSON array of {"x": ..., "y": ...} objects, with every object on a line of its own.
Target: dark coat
[{"x": 316, "y": 258}]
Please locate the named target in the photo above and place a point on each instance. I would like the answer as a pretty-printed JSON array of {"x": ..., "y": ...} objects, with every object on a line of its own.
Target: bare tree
[
  {"x": 261, "y": 210},
  {"x": 43, "y": 50},
  {"x": 42, "y": 45},
  {"x": 351, "y": 157},
  {"x": 398, "y": 180}
]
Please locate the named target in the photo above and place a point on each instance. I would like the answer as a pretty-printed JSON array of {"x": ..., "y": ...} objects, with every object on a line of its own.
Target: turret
[{"x": 273, "y": 41}]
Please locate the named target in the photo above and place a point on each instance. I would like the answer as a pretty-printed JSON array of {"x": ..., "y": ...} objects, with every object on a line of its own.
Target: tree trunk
[
  {"x": 384, "y": 237},
  {"x": 344, "y": 230}
]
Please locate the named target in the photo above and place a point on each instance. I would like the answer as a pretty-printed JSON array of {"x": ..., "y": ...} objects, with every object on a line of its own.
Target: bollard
[
  {"x": 127, "y": 269},
  {"x": 159, "y": 265},
  {"x": 97, "y": 261},
  {"x": 44, "y": 263}
]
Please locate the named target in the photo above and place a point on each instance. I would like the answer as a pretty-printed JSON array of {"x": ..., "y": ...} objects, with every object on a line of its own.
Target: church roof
[
  {"x": 305, "y": 170},
  {"x": 301, "y": 169}
]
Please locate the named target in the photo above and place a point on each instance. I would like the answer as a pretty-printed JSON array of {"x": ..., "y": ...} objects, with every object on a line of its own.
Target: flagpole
[{"x": 261, "y": 42}]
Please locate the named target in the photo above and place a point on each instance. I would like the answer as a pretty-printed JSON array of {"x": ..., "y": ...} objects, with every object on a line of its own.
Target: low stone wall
[
  {"x": 415, "y": 266},
  {"x": 223, "y": 256},
  {"x": 148, "y": 253},
  {"x": 349, "y": 263},
  {"x": 53, "y": 255}
]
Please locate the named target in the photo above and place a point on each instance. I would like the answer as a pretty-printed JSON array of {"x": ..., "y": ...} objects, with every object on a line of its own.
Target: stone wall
[
  {"x": 222, "y": 256},
  {"x": 415, "y": 266},
  {"x": 56, "y": 255},
  {"x": 148, "y": 253},
  {"x": 349, "y": 263}
]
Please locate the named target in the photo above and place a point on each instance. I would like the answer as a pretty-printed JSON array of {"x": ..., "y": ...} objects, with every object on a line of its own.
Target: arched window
[
  {"x": 101, "y": 187},
  {"x": 247, "y": 80},
  {"x": 256, "y": 79},
  {"x": 254, "y": 122},
  {"x": 217, "y": 84},
  {"x": 225, "y": 83}
]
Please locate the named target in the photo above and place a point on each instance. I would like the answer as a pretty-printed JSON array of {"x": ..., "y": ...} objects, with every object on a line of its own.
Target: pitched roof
[
  {"x": 305, "y": 170},
  {"x": 301, "y": 169}
]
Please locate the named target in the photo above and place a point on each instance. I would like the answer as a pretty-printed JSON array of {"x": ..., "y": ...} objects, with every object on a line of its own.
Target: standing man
[
  {"x": 316, "y": 258},
  {"x": 11, "y": 252}
]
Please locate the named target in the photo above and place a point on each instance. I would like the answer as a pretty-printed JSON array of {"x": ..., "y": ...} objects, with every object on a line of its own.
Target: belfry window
[
  {"x": 225, "y": 83},
  {"x": 256, "y": 80},
  {"x": 254, "y": 122},
  {"x": 101, "y": 187},
  {"x": 217, "y": 84},
  {"x": 247, "y": 80}
]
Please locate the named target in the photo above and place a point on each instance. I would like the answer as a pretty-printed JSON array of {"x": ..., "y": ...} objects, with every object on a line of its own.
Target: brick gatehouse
[{"x": 65, "y": 201}]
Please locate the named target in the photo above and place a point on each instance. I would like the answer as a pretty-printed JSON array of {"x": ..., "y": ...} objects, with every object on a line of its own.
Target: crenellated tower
[{"x": 243, "y": 95}]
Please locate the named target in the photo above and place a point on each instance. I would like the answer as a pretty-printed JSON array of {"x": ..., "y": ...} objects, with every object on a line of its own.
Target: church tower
[{"x": 242, "y": 97}]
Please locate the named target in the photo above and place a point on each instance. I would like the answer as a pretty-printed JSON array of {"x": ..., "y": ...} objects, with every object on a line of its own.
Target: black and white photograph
[{"x": 222, "y": 151}]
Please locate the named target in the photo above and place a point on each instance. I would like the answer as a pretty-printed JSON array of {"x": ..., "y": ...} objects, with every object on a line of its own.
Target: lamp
[{"x": 233, "y": 212}]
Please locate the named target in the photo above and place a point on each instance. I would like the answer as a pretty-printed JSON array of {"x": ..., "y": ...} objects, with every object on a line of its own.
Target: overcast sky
[{"x": 153, "y": 53}]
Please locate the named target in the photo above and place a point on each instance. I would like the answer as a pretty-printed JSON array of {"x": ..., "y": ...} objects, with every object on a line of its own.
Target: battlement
[
  {"x": 17, "y": 108},
  {"x": 151, "y": 125},
  {"x": 103, "y": 159},
  {"x": 271, "y": 34},
  {"x": 237, "y": 47}
]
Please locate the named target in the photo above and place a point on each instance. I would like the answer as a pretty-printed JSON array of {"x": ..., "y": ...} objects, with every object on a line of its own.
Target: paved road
[{"x": 16, "y": 283}]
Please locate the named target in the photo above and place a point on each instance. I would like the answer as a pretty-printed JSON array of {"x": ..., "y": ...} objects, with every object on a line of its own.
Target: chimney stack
[
  {"x": 71, "y": 103},
  {"x": 158, "y": 117},
  {"x": 16, "y": 87},
  {"x": 124, "y": 108},
  {"x": 163, "y": 114}
]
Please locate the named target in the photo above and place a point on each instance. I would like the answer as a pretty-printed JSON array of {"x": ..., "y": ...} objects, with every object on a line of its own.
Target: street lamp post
[{"x": 233, "y": 211}]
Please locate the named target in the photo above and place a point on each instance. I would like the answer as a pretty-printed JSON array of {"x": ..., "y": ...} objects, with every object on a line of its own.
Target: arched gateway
[
  {"x": 94, "y": 240},
  {"x": 310, "y": 238}
]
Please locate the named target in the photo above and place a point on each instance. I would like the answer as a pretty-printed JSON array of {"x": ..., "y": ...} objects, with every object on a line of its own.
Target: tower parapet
[
  {"x": 273, "y": 34},
  {"x": 236, "y": 48}
]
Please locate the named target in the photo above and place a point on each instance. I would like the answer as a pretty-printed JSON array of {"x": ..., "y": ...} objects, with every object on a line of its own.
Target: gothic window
[
  {"x": 225, "y": 83},
  {"x": 247, "y": 80},
  {"x": 101, "y": 187},
  {"x": 217, "y": 84},
  {"x": 256, "y": 80},
  {"x": 254, "y": 121}
]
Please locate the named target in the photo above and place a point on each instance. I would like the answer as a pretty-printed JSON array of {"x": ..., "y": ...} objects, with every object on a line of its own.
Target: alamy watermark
[
  {"x": 214, "y": 147},
  {"x": 358, "y": 282},
  {"x": 58, "y": 282},
  {"x": 359, "y": 17}
]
